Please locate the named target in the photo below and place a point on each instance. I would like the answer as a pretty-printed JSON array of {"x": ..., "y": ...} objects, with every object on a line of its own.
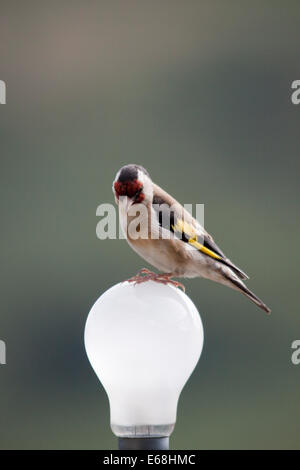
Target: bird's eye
[{"x": 138, "y": 193}]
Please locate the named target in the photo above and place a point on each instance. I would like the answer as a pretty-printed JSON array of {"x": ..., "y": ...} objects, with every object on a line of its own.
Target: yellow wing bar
[
  {"x": 188, "y": 230},
  {"x": 202, "y": 248}
]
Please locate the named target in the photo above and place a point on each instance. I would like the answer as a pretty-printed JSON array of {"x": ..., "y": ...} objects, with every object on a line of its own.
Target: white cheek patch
[
  {"x": 117, "y": 176},
  {"x": 147, "y": 185},
  {"x": 116, "y": 179}
]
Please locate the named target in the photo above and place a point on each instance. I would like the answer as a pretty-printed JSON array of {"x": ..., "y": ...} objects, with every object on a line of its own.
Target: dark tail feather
[
  {"x": 242, "y": 288},
  {"x": 234, "y": 268}
]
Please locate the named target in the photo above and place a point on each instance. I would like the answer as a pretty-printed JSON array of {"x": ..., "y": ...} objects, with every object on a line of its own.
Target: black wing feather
[{"x": 167, "y": 219}]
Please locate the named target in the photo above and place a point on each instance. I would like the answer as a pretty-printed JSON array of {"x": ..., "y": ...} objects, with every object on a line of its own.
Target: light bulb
[{"x": 143, "y": 341}]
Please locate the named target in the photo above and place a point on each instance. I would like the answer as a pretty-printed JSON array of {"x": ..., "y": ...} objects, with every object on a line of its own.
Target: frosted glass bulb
[{"x": 143, "y": 341}]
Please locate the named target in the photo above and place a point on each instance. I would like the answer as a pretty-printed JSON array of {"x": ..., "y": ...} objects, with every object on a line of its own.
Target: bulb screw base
[{"x": 143, "y": 443}]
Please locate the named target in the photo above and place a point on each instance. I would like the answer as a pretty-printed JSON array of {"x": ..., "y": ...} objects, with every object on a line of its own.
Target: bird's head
[{"x": 132, "y": 185}]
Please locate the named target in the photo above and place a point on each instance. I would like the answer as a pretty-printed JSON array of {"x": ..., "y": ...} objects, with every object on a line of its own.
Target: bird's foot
[{"x": 145, "y": 275}]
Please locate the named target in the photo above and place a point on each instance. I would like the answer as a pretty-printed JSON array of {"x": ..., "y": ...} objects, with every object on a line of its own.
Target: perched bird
[{"x": 168, "y": 237}]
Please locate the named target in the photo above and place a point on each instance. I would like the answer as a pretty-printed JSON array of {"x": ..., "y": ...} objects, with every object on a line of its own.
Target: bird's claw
[{"x": 145, "y": 275}]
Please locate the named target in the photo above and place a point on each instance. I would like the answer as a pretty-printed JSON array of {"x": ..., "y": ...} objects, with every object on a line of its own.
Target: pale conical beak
[{"x": 125, "y": 203}]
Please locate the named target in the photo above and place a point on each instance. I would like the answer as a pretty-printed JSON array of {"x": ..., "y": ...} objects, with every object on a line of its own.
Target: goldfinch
[{"x": 168, "y": 237}]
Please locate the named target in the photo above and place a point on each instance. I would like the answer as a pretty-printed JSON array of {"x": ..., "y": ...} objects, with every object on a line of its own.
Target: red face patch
[{"x": 132, "y": 189}]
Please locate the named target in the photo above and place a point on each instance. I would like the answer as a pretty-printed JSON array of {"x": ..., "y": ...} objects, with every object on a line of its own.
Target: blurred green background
[{"x": 199, "y": 93}]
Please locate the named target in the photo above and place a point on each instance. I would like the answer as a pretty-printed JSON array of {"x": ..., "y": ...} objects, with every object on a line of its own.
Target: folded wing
[{"x": 173, "y": 217}]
